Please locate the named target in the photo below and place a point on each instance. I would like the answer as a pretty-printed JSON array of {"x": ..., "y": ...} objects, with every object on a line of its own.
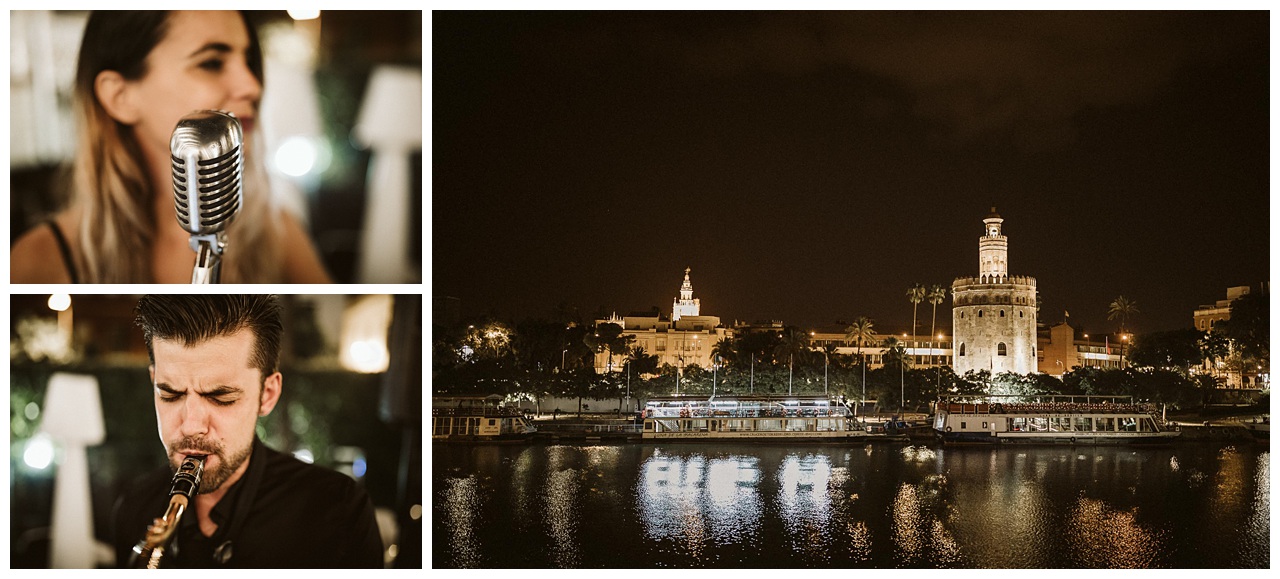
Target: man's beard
[{"x": 213, "y": 478}]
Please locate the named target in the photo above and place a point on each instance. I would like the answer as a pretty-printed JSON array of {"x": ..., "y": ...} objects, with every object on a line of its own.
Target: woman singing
[{"x": 138, "y": 74}]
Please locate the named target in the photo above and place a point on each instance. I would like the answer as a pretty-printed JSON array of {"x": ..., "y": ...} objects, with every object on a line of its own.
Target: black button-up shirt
[{"x": 282, "y": 513}]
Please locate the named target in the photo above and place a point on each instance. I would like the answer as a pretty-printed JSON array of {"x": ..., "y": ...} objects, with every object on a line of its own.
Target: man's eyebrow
[
  {"x": 214, "y": 46},
  {"x": 222, "y": 391},
  {"x": 167, "y": 388}
]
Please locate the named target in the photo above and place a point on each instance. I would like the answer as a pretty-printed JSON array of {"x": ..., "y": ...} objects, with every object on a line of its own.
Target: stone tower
[
  {"x": 993, "y": 315},
  {"x": 686, "y": 304}
]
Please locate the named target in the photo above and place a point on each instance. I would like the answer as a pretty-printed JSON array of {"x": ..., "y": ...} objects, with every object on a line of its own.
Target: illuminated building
[
  {"x": 685, "y": 338},
  {"x": 923, "y": 352},
  {"x": 1204, "y": 316},
  {"x": 1062, "y": 349},
  {"x": 993, "y": 315},
  {"x": 1234, "y": 372}
]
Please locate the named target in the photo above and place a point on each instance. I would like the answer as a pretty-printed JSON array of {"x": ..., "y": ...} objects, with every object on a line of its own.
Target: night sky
[{"x": 811, "y": 167}]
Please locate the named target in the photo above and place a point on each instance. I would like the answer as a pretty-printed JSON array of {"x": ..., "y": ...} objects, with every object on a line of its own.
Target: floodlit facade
[
  {"x": 1062, "y": 349},
  {"x": 1233, "y": 376},
  {"x": 993, "y": 315},
  {"x": 683, "y": 339}
]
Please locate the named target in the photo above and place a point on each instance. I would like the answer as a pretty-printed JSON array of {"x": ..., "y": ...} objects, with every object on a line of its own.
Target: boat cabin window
[
  {"x": 963, "y": 425},
  {"x": 1107, "y": 424}
]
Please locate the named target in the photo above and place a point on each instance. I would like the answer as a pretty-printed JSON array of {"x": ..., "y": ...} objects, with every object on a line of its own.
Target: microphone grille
[{"x": 206, "y": 151}]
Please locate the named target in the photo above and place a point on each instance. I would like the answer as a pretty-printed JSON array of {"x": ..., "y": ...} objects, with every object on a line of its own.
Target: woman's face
[{"x": 199, "y": 64}]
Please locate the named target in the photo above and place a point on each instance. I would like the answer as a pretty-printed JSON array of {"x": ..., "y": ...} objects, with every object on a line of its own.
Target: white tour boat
[
  {"x": 478, "y": 419},
  {"x": 1057, "y": 419},
  {"x": 791, "y": 418}
]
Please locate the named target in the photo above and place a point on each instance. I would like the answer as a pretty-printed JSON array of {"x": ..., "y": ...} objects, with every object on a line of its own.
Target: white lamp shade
[
  {"x": 391, "y": 113},
  {"x": 73, "y": 410}
]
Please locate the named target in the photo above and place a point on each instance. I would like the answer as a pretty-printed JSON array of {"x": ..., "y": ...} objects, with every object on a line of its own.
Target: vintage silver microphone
[{"x": 207, "y": 150}]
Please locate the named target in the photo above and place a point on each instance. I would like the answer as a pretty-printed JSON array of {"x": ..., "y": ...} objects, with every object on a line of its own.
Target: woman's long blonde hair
[{"x": 110, "y": 182}]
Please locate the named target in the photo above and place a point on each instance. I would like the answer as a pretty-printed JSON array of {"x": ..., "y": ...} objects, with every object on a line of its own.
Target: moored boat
[
  {"x": 1053, "y": 419},
  {"x": 790, "y": 418},
  {"x": 478, "y": 419}
]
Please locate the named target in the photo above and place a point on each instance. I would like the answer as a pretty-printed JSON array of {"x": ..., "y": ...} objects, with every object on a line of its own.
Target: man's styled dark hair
[{"x": 192, "y": 319}]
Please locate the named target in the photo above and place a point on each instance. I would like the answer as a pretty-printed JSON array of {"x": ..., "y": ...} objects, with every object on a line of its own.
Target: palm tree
[
  {"x": 1122, "y": 308},
  {"x": 794, "y": 342},
  {"x": 861, "y": 330},
  {"x": 915, "y": 295},
  {"x": 935, "y": 295},
  {"x": 726, "y": 351}
]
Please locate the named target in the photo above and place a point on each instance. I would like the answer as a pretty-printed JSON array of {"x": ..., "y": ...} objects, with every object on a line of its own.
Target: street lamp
[
  {"x": 714, "y": 368},
  {"x": 902, "y": 378},
  {"x": 938, "y": 382},
  {"x": 1088, "y": 349}
]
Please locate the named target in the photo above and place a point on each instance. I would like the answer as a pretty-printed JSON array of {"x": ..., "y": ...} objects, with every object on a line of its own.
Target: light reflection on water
[
  {"x": 726, "y": 505},
  {"x": 461, "y": 500},
  {"x": 1102, "y": 537},
  {"x": 694, "y": 502}
]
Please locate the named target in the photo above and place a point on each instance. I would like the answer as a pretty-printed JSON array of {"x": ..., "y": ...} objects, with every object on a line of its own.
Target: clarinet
[{"x": 150, "y": 551}]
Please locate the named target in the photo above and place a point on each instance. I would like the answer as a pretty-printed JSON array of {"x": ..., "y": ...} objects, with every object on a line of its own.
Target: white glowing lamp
[
  {"x": 389, "y": 123},
  {"x": 364, "y": 335},
  {"x": 73, "y": 419}
]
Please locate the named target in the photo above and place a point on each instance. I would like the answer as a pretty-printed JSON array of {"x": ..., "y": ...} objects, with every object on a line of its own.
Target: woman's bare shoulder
[{"x": 36, "y": 256}]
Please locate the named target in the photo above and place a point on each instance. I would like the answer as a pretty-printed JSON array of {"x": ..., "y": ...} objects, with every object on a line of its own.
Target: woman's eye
[{"x": 212, "y": 65}]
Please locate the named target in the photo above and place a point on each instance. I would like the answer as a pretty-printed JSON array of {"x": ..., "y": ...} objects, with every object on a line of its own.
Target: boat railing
[
  {"x": 475, "y": 411},
  {"x": 1048, "y": 408},
  {"x": 702, "y": 412}
]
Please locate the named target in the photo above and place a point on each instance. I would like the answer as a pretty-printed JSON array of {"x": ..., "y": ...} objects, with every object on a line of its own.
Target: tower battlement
[{"x": 995, "y": 280}]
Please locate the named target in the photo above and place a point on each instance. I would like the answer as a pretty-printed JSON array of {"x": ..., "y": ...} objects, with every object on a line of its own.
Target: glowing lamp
[
  {"x": 363, "y": 342},
  {"x": 389, "y": 123},
  {"x": 73, "y": 419}
]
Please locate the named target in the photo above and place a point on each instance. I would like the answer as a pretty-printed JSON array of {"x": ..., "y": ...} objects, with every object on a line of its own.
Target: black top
[
  {"x": 65, "y": 249},
  {"x": 282, "y": 513}
]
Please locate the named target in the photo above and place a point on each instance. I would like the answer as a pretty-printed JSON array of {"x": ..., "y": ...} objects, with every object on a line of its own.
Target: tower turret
[
  {"x": 685, "y": 305},
  {"x": 993, "y": 249}
]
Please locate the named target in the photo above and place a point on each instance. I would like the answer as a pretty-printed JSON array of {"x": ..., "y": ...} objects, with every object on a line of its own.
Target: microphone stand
[{"x": 208, "y": 248}]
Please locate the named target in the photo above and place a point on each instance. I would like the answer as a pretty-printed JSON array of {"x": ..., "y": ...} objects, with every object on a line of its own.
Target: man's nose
[{"x": 195, "y": 417}]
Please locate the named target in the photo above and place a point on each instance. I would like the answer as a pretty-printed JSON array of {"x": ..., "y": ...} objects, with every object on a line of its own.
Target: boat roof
[
  {"x": 1085, "y": 398},
  {"x": 744, "y": 398}
]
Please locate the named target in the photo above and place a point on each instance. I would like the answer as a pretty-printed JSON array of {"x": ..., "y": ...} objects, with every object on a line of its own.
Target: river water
[{"x": 1192, "y": 505}]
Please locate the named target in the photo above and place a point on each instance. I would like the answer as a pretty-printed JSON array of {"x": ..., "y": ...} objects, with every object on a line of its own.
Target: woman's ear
[{"x": 115, "y": 93}]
